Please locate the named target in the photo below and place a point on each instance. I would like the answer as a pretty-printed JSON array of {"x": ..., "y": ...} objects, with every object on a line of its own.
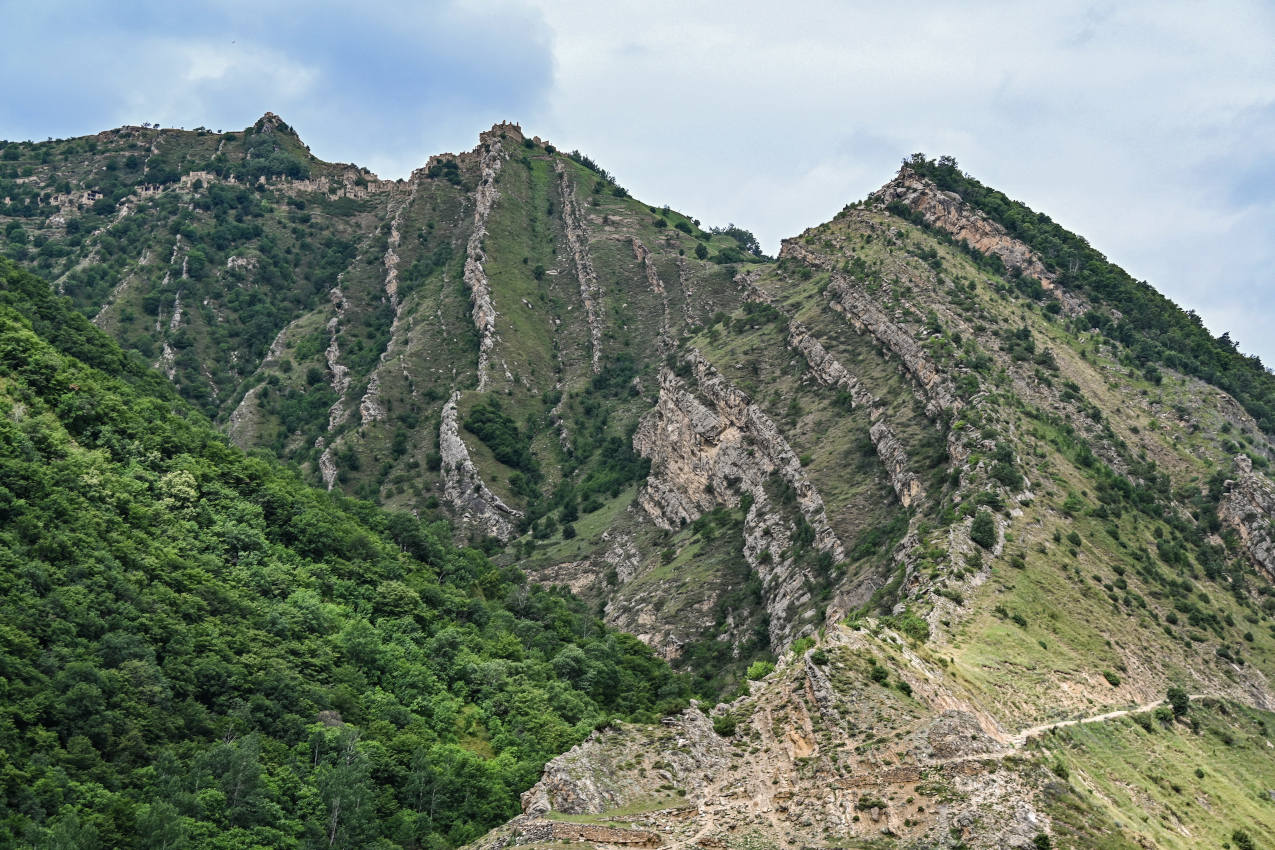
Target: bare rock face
[
  {"x": 1248, "y": 506},
  {"x": 865, "y": 315},
  {"x": 946, "y": 211},
  {"x": 705, "y": 455},
  {"x": 578, "y": 782},
  {"x": 578, "y": 244},
  {"x": 491, "y": 157},
  {"x": 464, "y": 489}
]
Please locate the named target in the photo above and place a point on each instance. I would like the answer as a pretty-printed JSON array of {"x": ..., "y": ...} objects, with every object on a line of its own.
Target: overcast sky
[{"x": 1148, "y": 127}]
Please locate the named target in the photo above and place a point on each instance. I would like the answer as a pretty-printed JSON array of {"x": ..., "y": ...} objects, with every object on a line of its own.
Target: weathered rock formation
[
  {"x": 790, "y": 765},
  {"x": 476, "y": 506},
  {"x": 578, "y": 244},
  {"x": 948, "y": 212},
  {"x": 704, "y": 456},
  {"x": 829, "y": 371},
  {"x": 1248, "y": 507},
  {"x": 864, "y": 314},
  {"x": 664, "y": 342},
  {"x": 491, "y": 157},
  {"x": 370, "y": 408}
]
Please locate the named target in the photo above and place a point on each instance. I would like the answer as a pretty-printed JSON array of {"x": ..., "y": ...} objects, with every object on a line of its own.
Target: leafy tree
[
  {"x": 983, "y": 529},
  {"x": 1179, "y": 700}
]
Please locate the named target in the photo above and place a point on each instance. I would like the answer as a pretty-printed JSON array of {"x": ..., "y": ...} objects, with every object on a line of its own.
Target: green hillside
[{"x": 199, "y": 650}]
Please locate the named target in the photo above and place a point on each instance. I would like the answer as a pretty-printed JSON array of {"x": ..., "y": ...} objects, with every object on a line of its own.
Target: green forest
[{"x": 198, "y": 650}]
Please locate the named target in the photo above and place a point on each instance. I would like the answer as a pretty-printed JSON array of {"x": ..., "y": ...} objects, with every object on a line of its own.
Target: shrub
[
  {"x": 1179, "y": 700},
  {"x": 1112, "y": 678},
  {"x": 983, "y": 529},
  {"x": 878, "y": 673},
  {"x": 759, "y": 670},
  {"x": 724, "y": 725},
  {"x": 1242, "y": 840},
  {"x": 909, "y": 624},
  {"x": 819, "y": 657}
]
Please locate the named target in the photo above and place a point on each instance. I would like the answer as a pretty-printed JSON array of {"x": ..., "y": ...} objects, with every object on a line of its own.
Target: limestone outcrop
[
  {"x": 664, "y": 342},
  {"x": 475, "y": 504},
  {"x": 828, "y": 371},
  {"x": 491, "y": 157},
  {"x": 788, "y": 764},
  {"x": 1248, "y": 507},
  {"x": 948, "y": 212},
  {"x": 706, "y": 455},
  {"x": 578, "y": 245}
]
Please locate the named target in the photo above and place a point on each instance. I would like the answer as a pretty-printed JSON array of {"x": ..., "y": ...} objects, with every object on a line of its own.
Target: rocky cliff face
[
  {"x": 464, "y": 488},
  {"x": 1248, "y": 507},
  {"x": 1002, "y": 493},
  {"x": 704, "y": 456},
  {"x": 946, "y": 211}
]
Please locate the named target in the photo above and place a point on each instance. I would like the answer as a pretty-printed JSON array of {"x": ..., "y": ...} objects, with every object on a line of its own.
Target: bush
[
  {"x": 1179, "y": 701},
  {"x": 725, "y": 724},
  {"x": 983, "y": 529},
  {"x": 1112, "y": 678},
  {"x": 1242, "y": 840},
  {"x": 759, "y": 670}
]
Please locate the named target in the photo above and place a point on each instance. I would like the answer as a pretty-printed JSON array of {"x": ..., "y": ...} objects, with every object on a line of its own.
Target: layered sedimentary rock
[
  {"x": 948, "y": 212},
  {"x": 1248, "y": 507},
  {"x": 706, "y": 455},
  {"x": 578, "y": 245},
  {"x": 463, "y": 488},
  {"x": 829, "y": 371},
  {"x": 491, "y": 157}
]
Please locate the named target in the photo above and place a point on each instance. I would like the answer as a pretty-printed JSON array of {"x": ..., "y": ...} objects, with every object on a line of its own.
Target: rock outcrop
[
  {"x": 370, "y": 408},
  {"x": 948, "y": 212},
  {"x": 813, "y": 750},
  {"x": 578, "y": 244},
  {"x": 828, "y": 371},
  {"x": 491, "y": 157},
  {"x": 664, "y": 342},
  {"x": 1248, "y": 507},
  {"x": 704, "y": 456},
  {"x": 476, "y": 506},
  {"x": 864, "y": 314}
]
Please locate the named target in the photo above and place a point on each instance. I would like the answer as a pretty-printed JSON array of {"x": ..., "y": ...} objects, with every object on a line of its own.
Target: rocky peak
[
  {"x": 948, "y": 211},
  {"x": 270, "y": 123}
]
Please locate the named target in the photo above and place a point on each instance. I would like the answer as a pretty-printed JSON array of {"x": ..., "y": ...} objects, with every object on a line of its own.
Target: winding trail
[{"x": 1025, "y": 735}]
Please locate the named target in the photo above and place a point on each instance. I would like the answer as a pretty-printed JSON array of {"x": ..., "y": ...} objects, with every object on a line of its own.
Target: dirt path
[{"x": 1025, "y": 735}]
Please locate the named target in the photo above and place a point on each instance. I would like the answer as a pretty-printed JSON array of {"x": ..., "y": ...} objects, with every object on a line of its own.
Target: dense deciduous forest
[{"x": 196, "y": 649}]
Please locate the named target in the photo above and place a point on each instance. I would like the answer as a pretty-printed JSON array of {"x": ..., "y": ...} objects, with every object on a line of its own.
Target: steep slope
[
  {"x": 199, "y": 650},
  {"x": 1082, "y": 533},
  {"x": 1040, "y": 490}
]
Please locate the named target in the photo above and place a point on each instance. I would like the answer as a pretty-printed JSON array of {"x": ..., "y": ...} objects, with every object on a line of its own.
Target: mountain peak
[{"x": 271, "y": 122}]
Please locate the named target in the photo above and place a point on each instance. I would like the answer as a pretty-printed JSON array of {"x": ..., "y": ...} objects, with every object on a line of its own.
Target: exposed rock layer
[{"x": 463, "y": 488}]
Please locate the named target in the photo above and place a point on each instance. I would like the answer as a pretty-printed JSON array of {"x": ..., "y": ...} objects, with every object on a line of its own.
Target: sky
[{"x": 1147, "y": 127}]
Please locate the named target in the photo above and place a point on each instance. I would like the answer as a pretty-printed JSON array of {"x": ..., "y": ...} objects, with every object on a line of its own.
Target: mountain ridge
[{"x": 938, "y": 446}]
